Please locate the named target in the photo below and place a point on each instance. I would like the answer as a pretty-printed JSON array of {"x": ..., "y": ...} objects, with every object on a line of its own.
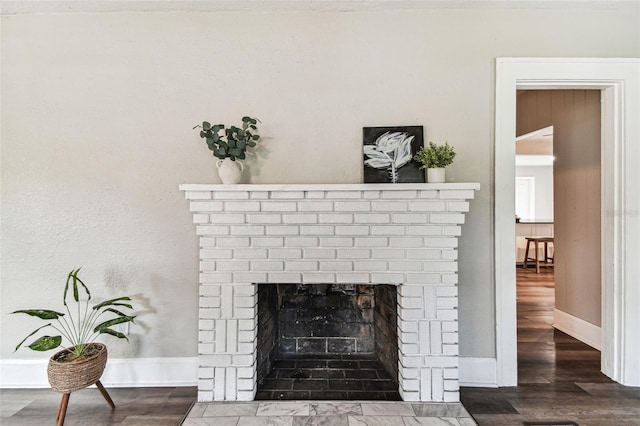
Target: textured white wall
[{"x": 97, "y": 111}]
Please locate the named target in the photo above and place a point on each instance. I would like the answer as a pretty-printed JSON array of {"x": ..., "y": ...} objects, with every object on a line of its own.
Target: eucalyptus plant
[
  {"x": 434, "y": 156},
  {"x": 82, "y": 326},
  {"x": 234, "y": 141}
]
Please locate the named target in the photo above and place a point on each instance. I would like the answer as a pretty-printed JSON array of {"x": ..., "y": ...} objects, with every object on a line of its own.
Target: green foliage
[
  {"x": 234, "y": 141},
  {"x": 435, "y": 156},
  {"x": 81, "y": 327}
]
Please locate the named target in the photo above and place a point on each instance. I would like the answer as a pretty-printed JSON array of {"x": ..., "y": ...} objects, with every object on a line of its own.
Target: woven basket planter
[{"x": 67, "y": 377}]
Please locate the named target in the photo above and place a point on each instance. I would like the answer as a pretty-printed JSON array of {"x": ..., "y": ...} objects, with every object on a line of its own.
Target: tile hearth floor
[{"x": 325, "y": 413}]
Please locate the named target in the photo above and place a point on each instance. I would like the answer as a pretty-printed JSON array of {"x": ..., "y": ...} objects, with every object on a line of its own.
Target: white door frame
[{"x": 619, "y": 80}]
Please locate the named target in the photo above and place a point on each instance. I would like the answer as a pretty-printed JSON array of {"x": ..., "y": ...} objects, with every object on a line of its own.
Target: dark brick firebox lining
[{"x": 328, "y": 377}]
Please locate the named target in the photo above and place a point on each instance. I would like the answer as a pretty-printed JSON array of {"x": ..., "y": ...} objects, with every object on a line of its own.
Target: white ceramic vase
[
  {"x": 229, "y": 171},
  {"x": 435, "y": 175}
]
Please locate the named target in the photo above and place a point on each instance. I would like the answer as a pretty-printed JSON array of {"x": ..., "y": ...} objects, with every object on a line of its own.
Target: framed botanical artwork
[{"x": 388, "y": 154}]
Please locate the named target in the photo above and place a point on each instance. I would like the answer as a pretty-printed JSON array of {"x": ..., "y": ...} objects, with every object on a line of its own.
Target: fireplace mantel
[{"x": 404, "y": 235}]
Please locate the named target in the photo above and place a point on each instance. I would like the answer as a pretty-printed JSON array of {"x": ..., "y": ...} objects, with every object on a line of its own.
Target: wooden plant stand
[{"x": 64, "y": 402}]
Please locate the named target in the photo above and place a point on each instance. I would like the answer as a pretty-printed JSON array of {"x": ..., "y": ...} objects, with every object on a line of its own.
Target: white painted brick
[
  {"x": 291, "y": 242},
  {"x": 387, "y": 253},
  {"x": 258, "y": 195},
  {"x": 408, "y": 373},
  {"x": 354, "y": 253},
  {"x": 410, "y": 218},
  {"x": 267, "y": 266},
  {"x": 318, "y": 278},
  {"x": 399, "y": 194},
  {"x": 205, "y": 324},
  {"x": 308, "y": 230},
  {"x": 344, "y": 194},
  {"x": 352, "y": 230},
  {"x": 205, "y": 348},
  {"x": 216, "y": 278},
  {"x": 212, "y": 230},
  {"x": 283, "y": 278},
  {"x": 408, "y": 242},
  {"x": 457, "y": 206},
  {"x": 244, "y": 289},
  {"x": 231, "y": 195},
  {"x": 456, "y": 194},
  {"x": 372, "y": 218},
  {"x": 206, "y": 206},
  {"x": 437, "y": 385},
  {"x": 231, "y": 385},
  {"x": 264, "y": 219},
  {"x": 408, "y": 337},
  {"x": 425, "y": 384},
  {"x": 447, "y": 291},
  {"x": 428, "y": 194},
  {"x": 423, "y": 278},
  {"x": 450, "y": 255},
  {"x": 232, "y": 336},
  {"x": 409, "y": 396},
  {"x": 245, "y": 384},
  {"x": 440, "y": 242},
  {"x": 248, "y": 324},
  {"x": 315, "y": 194},
  {"x": 300, "y": 218},
  {"x": 386, "y": 278},
  {"x": 369, "y": 265},
  {"x": 389, "y": 206},
  {"x": 446, "y": 218},
  {"x": 267, "y": 241},
  {"x": 409, "y": 291},
  {"x": 429, "y": 299},
  {"x": 424, "y": 254},
  {"x": 241, "y": 206},
  {"x": 410, "y": 361},
  {"x": 285, "y": 253},
  {"x": 336, "y": 242},
  {"x": 284, "y": 230},
  {"x": 216, "y": 253},
  {"x": 371, "y": 242},
  {"x": 352, "y": 278},
  {"x": 451, "y": 396},
  {"x": 278, "y": 206},
  {"x": 244, "y": 313},
  {"x": 221, "y": 335},
  {"x": 407, "y": 326},
  {"x": 335, "y": 266},
  {"x": 243, "y": 360},
  {"x": 250, "y": 277},
  {"x": 449, "y": 279},
  {"x": 405, "y": 265},
  {"x": 408, "y": 348},
  {"x": 352, "y": 206},
  {"x": 387, "y": 230},
  {"x": 319, "y": 253},
  {"x": 201, "y": 218},
  {"x": 302, "y": 265},
  {"x": 208, "y": 266},
  {"x": 233, "y": 242},
  {"x": 315, "y": 206},
  {"x": 205, "y": 396},
  {"x": 246, "y": 373},
  {"x": 250, "y": 253},
  {"x": 447, "y": 315},
  {"x": 205, "y": 384},
  {"x": 232, "y": 265},
  {"x": 209, "y": 290},
  {"x": 410, "y": 302},
  {"x": 441, "y": 361},
  {"x": 450, "y": 349},
  {"x": 215, "y": 360},
  {"x": 411, "y": 314},
  {"x": 410, "y": 384},
  {"x": 450, "y": 338},
  {"x": 207, "y": 241},
  {"x": 227, "y": 218},
  {"x": 197, "y": 195},
  {"x": 452, "y": 230},
  {"x": 449, "y": 326},
  {"x": 440, "y": 266},
  {"x": 447, "y": 302},
  {"x": 219, "y": 384},
  {"x": 370, "y": 194},
  {"x": 424, "y": 331},
  {"x": 206, "y": 336},
  {"x": 245, "y": 301},
  {"x": 246, "y": 336},
  {"x": 427, "y": 206},
  {"x": 210, "y": 302},
  {"x": 332, "y": 218},
  {"x": 430, "y": 230},
  {"x": 205, "y": 372},
  {"x": 281, "y": 195},
  {"x": 246, "y": 395}
]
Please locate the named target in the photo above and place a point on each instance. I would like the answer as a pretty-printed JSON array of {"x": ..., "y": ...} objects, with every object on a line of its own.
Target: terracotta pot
[{"x": 70, "y": 376}]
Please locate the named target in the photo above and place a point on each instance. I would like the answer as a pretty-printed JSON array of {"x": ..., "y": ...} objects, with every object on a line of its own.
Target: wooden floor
[{"x": 559, "y": 377}]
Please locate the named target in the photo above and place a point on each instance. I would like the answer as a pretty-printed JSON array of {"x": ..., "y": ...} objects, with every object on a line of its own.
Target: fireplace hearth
[{"x": 340, "y": 242}]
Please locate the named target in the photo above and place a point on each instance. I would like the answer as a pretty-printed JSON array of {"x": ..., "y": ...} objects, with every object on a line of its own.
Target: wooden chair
[{"x": 536, "y": 241}]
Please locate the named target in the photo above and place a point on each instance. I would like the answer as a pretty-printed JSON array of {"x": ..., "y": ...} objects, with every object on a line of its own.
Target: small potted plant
[
  {"x": 230, "y": 146},
  {"x": 435, "y": 158},
  {"x": 84, "y": 360}
]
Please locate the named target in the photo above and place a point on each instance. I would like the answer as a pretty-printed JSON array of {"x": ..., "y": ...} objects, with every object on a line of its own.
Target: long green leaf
[
  {"x": 46, "y": 343},
  {"x": 115, "y": 311},
  {"x": 111, "y": 322},
  {"x": 32, "y": 333},
  {"x": 40, "y": 313},
  {"x": 112, "y": 303},
  {"x": 113, "y": 333}
]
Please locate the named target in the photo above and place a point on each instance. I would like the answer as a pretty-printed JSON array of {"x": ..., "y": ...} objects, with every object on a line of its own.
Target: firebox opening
[{"x": 327, "y": 341}]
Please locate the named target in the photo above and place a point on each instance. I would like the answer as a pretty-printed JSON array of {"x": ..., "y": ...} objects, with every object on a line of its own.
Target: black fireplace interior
[{"x": 327, "y": 341}]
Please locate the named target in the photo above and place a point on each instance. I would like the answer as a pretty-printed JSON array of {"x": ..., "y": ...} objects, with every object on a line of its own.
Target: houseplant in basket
[
  {"x": 84, "y": 360},
  {"x": 435, "y": 158},
  {"x": 230, "y": 146}
]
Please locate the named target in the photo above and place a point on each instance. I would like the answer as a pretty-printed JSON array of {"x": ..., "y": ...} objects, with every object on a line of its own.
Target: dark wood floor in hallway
[{"x": 559, "y": 377}]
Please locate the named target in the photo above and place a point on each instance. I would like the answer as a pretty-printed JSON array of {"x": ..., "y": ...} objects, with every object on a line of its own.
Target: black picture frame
[{"x": 377, "y": 162}]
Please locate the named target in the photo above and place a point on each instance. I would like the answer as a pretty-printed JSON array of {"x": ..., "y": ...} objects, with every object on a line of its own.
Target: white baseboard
[
  {"x": 127, "y": 372},
  {"x": 478, "y": 372},
  {"x": 578, "y": 328}
]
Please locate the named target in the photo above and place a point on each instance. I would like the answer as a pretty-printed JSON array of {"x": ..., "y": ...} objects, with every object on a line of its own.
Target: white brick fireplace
[{"x": 404, "y": 235}]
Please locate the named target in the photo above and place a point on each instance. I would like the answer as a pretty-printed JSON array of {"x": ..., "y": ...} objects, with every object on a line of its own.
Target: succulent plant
[{"x": 435, "y": 156}]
